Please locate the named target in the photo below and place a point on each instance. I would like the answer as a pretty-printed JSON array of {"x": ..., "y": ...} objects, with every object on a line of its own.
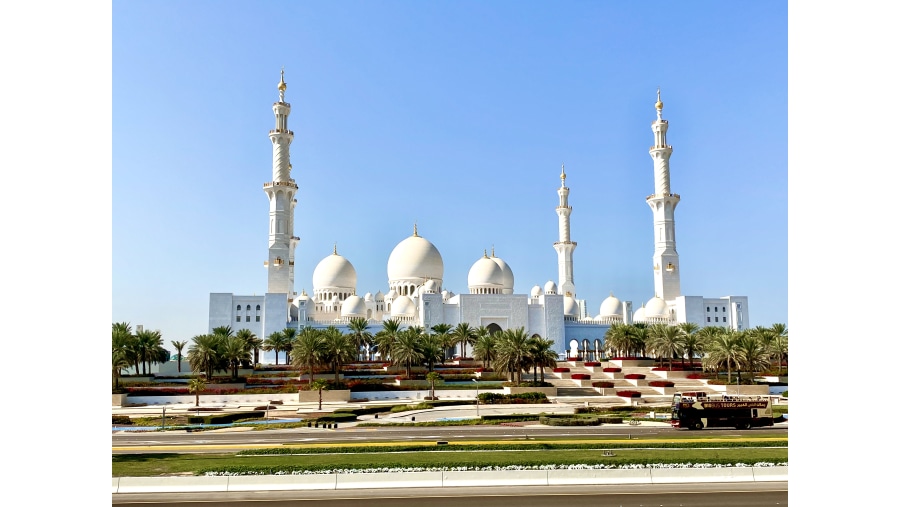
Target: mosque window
[
  {"x": 237, "y": 319},
  {"x": 716, "y": 308},
  {"x": 707, "y": 308},
  {"x": 717, "y": 319},
  {"x": 257, "y": 318},
  {"x": 239, "y": 308},
  {"x": 723, "y": 319},
  {"x": 708, "y": 319},
  {"x": 258, "y": 308}
]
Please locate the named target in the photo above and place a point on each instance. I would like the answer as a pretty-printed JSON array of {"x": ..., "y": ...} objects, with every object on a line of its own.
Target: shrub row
[
  {"x": 661, "y": 383},
  {"x": 561, "y": 370},
  {"x": 581, "y": 376},
  {"x": 593, "y": 363},
  {"x": 569, "y": 421},
  {"x": 635, "y": 376},
  {"x": 628, "y": 394},
  {"x": 604, "y": 383},
  {"x": 497, "y": 398},
  {"x": 121, "y": 419},
  {"x": 612, "y": 369},
  {"x": 225, "y": 418}
]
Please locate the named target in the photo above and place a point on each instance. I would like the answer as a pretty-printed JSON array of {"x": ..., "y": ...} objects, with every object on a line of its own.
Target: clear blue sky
[{"x": 456, "y": 116}]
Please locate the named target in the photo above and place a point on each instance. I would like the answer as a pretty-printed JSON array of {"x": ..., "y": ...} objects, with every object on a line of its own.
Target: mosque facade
[{"x": 415, "y": 294}]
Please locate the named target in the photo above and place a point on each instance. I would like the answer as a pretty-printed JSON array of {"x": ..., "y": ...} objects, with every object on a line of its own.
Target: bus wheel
[
  {"x": 743, "y": 426},
  {"x": 697, "y": 426}
]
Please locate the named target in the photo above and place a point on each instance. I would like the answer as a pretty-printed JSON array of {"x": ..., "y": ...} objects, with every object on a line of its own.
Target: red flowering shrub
[
  {"x": 603, "y": 383},
  {"x": 592, "y": 363},
  {"x": 696, "y": 376},
  {"x": 580, "y": 376},
  {"x": 612, "y": 370},
  {"x": 635, "y": 376},
  {"x": 661, "y": 383},
  {"x": 628, "y": 394},
  {"x": 560, "y": 370}
]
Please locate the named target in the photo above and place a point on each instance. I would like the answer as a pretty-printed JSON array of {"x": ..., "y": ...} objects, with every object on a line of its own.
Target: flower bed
[
  {"x": 593, "y": 363},
  {"x": 560, "y": 370},
  {"x": 580, "y": 376},
  {"x": 604, "y": 384},
  {"x": 661, "y": 383},
  {"x": 635, "y": 376},
  {"x": 628, "y": 394},
  {"x": 612, "y": 370}
]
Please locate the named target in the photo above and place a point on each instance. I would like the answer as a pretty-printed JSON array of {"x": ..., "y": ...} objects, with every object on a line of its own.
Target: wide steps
[{"x": 576, "y": 391}]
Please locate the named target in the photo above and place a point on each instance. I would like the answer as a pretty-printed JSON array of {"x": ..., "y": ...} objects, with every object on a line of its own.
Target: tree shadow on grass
[{"x": 140, "y": 458}]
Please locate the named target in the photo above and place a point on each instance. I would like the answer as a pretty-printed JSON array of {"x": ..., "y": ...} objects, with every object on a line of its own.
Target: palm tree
[
  {"x": 288, "y": 334},
  {"x": 432, "y": 350},
  {"x": 251, "y": 342},
  {"x": 666, "y": 341},
  {"x": 542, "y": 354},
  {"x": 125, "y": 345},
  {"x": 753, "y": 354},
  {"x": 384, "y": 339},
  {"x": 318, "y": 385},
  {"x": 463, "y": 334},
  {"x": 616, "y": 339},
  {"x": 234, "y": 351},
  {"x": 639, "y": 338},
  {"x": 309, "y": 348},
  {"x": 432, "y": 378},
  {"x": 723, "y": 349},
  {"x": 179, "y": 346},
  {"x": 276, "y": 341},
  {"x": 119, "y": 361},
  {"x": 359, "y": 330},
  {"x": 442, "y": 331},
  {"x": 148, "y": 344},
  {"x": 512, "y": 352},
  {"x": 691, "y": 343},
  {"x": 779, "y": 347},
  {"x": 407, "y": 349},
  {"x": 339, "y": 348},
  {"x": 196, "y": 386},
  {"x": 203, "y": 354},
  {"x": 485, "y": 349}
]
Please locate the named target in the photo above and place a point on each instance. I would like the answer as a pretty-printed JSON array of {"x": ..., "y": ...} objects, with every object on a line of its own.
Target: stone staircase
[{"x": 566, "y": 387}]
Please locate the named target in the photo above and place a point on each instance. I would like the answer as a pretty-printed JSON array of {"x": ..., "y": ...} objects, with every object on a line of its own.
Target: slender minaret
[
  {"x": 564, "y": 247},
  {"x": 666, "y": 277},
  {"x": 281, "y": 191}
]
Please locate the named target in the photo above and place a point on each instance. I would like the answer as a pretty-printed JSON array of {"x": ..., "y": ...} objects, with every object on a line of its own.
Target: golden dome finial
[
  {"x": 562, "y": 175},
  {"x": 335, "y": 248},
  {"x": 659, "y": 104},
  {"x": 492, "y": 251},
  {"x": 282, "y": 86},
  {"x": 485, "y": 253},
  {"x": 415, "y": 229}
]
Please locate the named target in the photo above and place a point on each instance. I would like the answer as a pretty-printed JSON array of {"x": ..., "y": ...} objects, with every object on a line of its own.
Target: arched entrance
[{"x": 493, "y": 328}]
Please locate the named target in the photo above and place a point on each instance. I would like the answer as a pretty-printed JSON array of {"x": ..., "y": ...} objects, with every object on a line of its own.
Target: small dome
[
  {"x": 536, "y": 291},
  {"x": 430, "y": 287},
  {"x": 379, "y": 296},
  {"x": 550, "y": 287},
  {"x": 507, "y": 274},
  {"x": 415, "y": 258},
  {"x": 392, "y": 294},
  {"x": 570, "y": 307},
  {"x": 639, "y": 315},
  {"x": 368, "y": 297},
  {"x": 334, "y": 271},
  {"x": 302, "y": 297},
  {"x": 403, "y": 307},
  {"x": 610, "y": 307},
  {"x": 656, "y": 307},
  {"x": 485, "y": 273},
  {"x": 354, "y": 306}
]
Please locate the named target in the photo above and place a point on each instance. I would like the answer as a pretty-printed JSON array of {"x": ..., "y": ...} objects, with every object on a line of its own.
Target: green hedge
[
  {"x": 336, "y": 417},
  {"x": 121, "y": 419},
  {"x": 225, "y": 418}
]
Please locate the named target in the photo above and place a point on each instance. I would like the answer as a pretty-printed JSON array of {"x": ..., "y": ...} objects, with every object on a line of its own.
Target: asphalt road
[
  {"x": 645, "y": 495},
  {"x": 230, "y": 440}
]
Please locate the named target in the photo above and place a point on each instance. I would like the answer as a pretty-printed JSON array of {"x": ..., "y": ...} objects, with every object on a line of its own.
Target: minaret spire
[
  {"x": 281, "y": 191},
  {"x": 565, "y": 246},
  {"x": 666, "y": 275}
]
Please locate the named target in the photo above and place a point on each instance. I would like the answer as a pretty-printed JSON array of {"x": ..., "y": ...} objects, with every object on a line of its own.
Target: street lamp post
[
  {"x": 477, "y": 413},
  {"x": 164, "y": 417}
]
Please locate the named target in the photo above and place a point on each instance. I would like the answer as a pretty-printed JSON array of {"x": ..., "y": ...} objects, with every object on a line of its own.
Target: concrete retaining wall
[{"x": 446, "y": 479}]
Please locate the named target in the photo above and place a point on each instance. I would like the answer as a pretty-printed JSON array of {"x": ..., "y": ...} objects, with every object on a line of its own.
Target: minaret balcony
[
  {"x": 281, "y": 131},
  {"x": 666, "y": 147},
  {"x": 272, "y": 184},
  {"x": 287, "y": 104},
  {"x": 662, "y": 196}
]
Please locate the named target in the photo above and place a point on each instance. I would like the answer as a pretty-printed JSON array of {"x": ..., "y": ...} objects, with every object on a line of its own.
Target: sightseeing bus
[{"x": 698, "y": 410}]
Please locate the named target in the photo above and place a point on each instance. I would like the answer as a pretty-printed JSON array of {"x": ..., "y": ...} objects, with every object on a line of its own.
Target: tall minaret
[
  {"x": 666, "y": 277},
  {"x": 564, "y": 247},
  {"x": 281, "y": 191}
]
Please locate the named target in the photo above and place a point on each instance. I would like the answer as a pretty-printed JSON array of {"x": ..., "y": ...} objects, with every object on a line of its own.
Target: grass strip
[{"x": 146, "y": 465}]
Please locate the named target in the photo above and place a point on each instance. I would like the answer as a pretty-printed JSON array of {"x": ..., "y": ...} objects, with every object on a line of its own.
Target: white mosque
[{"x": 415, "y": 294}]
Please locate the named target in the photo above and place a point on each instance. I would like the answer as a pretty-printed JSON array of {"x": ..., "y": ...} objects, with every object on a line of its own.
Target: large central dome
[{"x": 415, "y": 258}]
